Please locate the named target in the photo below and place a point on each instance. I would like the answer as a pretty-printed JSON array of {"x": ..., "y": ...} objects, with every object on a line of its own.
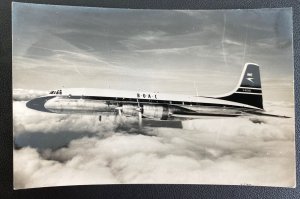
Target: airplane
[{"x": 245, "y": 99}]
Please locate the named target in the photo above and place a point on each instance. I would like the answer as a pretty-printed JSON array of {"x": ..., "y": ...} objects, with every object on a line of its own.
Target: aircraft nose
[{"x": 38, "y": 103}]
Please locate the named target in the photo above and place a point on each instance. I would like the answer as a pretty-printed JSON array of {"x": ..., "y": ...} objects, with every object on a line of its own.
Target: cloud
[
  {"x": 149, "y": 36},
  {"x": 36, "y": 168},
  {"x": 25, "y": 95},
  {"x": 203, "y": 151}
]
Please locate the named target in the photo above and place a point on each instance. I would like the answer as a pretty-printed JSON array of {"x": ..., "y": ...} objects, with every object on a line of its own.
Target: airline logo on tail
[{"x": 249, "y": 77}]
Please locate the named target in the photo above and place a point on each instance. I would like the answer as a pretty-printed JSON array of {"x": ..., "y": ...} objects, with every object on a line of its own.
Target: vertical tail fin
[{"x": 248, "y": 91}]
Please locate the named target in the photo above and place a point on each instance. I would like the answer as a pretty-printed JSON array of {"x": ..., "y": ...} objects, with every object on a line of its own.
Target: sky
[{"x": 170, "y": 51}]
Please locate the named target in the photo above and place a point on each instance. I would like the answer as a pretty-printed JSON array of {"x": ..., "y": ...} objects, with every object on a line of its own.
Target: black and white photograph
[{"x": 145, "y": 96}]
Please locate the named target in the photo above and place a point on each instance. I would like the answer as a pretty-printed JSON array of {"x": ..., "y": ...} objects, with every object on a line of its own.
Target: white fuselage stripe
[
  {"x": 251, "y": 88},
  {"x": 249, "y": 93}
]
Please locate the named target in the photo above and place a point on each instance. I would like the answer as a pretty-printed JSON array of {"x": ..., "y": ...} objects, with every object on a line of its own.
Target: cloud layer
[{"x": 204, "y": 151}]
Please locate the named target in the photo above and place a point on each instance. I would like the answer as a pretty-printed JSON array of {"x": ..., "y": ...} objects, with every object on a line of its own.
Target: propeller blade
[
  {"x": 140, "y": 119},
  {"x": 119, "y": 110},
  {"x": 139, "y": 109}
]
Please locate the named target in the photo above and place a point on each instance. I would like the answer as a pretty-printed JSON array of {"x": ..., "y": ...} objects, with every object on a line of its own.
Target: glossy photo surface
[{"x": 137, "y": 96}]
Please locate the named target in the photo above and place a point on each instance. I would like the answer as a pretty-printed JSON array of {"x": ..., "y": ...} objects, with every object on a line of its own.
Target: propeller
[
  {"x": 119, "y": 110},
  {"x": 139, "y": 109},
  {"x": 140, "y": 115},
  {"x": 118, "y": 113}
]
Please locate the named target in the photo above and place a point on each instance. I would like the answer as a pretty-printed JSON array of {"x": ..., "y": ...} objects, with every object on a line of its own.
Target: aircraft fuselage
[{"x": 154, "y": 105}]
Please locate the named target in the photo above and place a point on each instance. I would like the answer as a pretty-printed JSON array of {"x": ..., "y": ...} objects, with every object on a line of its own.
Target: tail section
[{"x": 249, "y": 89}]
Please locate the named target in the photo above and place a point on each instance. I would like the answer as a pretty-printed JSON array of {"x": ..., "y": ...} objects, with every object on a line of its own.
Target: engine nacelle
[
  {"x": 130, "y": 109},
  {"x": 156, "y": 112}
]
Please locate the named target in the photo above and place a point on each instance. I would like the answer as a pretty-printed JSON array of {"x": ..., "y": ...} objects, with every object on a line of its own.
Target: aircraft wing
[{"x": 214, "y": 112}]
